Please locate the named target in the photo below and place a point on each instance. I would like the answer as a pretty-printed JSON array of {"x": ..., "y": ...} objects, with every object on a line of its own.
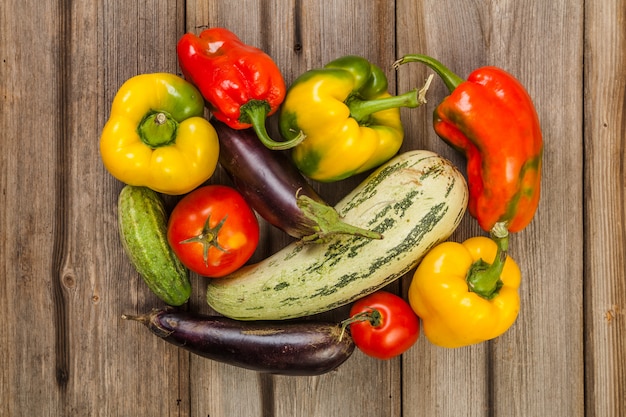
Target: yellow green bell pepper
[
  {"x": 466, "y": 293},
  {"x": 157, "y": 137},
  {"x": 350, "y": 122}
]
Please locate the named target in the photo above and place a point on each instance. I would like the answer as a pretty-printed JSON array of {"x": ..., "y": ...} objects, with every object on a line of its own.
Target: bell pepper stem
[
  {"x": 328, "y": 222},
  {"x": 361, "y": 109},
  {"x": 484, "y": 278},
  {"x": 255, "y": 113},
  {"x": 450, "y": 79},
  {"x": 157, "y": 128}
]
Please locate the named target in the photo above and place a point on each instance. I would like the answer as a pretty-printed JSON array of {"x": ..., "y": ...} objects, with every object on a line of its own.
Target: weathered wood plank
[
  {"x": 35, "y": 336},
  {"x": 67, "y": 352},
  {"x": 439, "y": 381},
  {"x": 545, "y": 349},
  {"x": 145, "y": 375},
  {"x": 605, "y": 204},
  {"x": 505, "y": 377}
]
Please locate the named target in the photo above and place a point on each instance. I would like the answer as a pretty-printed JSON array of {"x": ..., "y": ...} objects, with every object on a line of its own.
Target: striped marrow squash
[{"x": 416, "y": 200}]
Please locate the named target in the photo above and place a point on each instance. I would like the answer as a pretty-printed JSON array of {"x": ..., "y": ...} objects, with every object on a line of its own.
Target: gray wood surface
[{"x": 66, "y": 281}]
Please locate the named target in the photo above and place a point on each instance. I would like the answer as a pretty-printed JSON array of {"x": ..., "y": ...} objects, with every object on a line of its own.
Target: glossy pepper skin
[
  {"x": 157, "y": 137},
  {"x": 351, "y": 123},
  {"x": 491, "y": 119},
  {"x": 453, "y": 314},
  {"x": 241, "y": 84}
]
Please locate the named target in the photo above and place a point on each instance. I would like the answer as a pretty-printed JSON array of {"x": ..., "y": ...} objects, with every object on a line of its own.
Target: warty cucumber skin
[
  {"x": 416, "y": 201},
  {"x": 142, "y": 222}
]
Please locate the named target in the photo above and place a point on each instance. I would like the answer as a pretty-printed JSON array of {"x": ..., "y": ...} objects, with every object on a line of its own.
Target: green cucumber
[
  {"x": 415, "y": 201},
  {"x": 142, "y": 225}
]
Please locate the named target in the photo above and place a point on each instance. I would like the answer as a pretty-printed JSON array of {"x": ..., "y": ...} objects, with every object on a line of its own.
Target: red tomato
[
  {"x": 213, "y": 231},
  {"x": 383, "y": 325}
]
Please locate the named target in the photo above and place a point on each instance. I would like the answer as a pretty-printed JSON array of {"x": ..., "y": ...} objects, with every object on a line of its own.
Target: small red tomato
[
  {"x": 213, "y": 231},
  {"x": 383, "y": 325}
]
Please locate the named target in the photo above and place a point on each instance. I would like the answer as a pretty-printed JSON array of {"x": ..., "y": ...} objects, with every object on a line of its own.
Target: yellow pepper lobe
[
  {"x": 351, "y": 122},
  {"x": 452, "y": 315},
  {"x": 157, "y": 137}
]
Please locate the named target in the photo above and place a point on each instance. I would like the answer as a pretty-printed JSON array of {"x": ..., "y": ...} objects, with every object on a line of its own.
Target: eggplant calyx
[
  {"x": 151, "y": 321},
  {"x": 328, "y": 222}
]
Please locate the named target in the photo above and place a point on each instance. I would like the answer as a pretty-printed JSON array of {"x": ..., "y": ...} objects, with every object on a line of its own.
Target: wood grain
[
  {"x": 605, "y": 205},
  {"x": 66, "y": 279}
]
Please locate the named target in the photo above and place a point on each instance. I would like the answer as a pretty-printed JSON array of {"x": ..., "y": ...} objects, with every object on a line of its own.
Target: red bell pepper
[
  {"x": 491, "y": 119},
  {"x": 241, "y": 84}
]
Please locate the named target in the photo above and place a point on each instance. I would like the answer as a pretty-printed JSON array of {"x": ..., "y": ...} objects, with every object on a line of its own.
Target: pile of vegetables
[{"x": 334, "y": 122}]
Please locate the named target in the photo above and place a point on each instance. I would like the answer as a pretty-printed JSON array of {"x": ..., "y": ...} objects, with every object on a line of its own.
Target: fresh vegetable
[
  {"x": 213, "y": 231},
  {"x": 276, "y": 190},
  {"x": 352, "y": 124},
  {"x": 466, "y": 293},
  {"x": 415, "y": 201},
  {"x": 491, "y": 119},
  {"x": 241, "y": 83},
  {"x": 295, "y": 348},
  {"x": 157, "y": 137},
  {"x": 142, "y": 223},
  {"x": 383, "y": 325}
]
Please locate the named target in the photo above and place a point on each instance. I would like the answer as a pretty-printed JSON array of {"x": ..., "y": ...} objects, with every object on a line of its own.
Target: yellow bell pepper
[
  {"x": 466, "y": 293},
  {"x": 157, "y": 137},
  {"x": 350, "y": 122}
]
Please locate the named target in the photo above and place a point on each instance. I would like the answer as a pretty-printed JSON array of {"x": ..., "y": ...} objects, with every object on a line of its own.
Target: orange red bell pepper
[{"x": 491, "y": 119}]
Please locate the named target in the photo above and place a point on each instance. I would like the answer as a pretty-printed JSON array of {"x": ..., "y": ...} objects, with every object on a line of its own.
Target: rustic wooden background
[{"x": 66, "y": 281}]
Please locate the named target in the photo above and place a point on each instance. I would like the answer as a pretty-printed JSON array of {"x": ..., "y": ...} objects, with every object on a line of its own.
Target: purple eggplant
[
  {"x": 286, "y": 348},
  {"x": 274, "y": 188}
]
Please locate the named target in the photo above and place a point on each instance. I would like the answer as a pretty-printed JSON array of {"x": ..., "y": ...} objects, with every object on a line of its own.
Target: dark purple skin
[
  {"x": 286, "y": 348},
  {"x": 271, "y": 184}
]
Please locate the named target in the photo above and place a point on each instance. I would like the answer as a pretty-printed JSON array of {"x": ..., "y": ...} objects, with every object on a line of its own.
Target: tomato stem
[
  {"x": 208, "y": 238},
  {"x": 372, "y": 315}
]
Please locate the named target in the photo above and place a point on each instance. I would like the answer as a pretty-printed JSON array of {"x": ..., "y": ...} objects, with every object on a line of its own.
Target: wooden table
[{"x": 66, "y": 280}]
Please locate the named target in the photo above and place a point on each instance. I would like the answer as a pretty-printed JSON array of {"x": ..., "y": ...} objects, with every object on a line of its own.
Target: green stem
[
  {"x": 371, "y": 315},
  {"x": 255, "y": 113},
  {"x": 328, "y": 222},
  {"x": 483, "y": 278},
  {"x": 361, "y": 109},
  {"x": 208, "y": 238},
  {"x": 450, "y": 79},
  {"x": 157, "y": 128}
]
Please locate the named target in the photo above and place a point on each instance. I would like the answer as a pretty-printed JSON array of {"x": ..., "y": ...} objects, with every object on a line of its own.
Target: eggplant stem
[
  {"x": 328, "y": 222},
  {"x": 142, "y": 318}
]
